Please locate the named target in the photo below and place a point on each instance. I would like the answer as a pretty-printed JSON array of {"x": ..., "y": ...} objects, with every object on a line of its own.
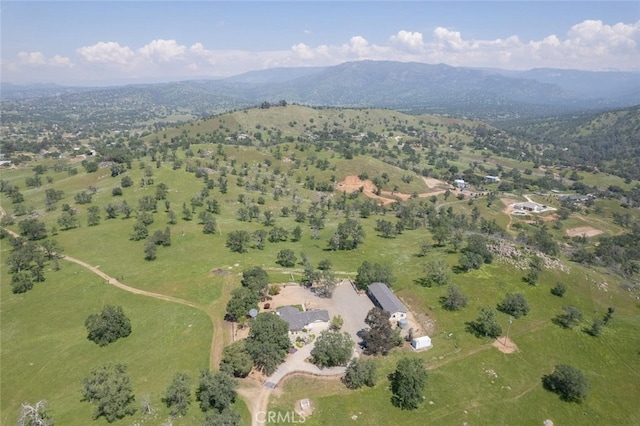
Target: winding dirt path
[
  {"x": 255, "y": 399},
  {"x": 130, "y": 289}
]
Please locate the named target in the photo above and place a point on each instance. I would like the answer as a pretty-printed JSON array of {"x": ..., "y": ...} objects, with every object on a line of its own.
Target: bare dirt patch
[
  {"x": 435, "y": 183},
  {"x": 304, "y": 407},
  {"x": 587, "y": 231},
  {"x": 354, "y": 183},
  {"x": 505, "y": 345}
]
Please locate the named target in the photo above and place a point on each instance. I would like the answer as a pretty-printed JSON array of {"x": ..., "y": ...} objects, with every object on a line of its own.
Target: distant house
[
  {"x": 382, "y": 296},
  {"x": 578, "y": 198},
  {"x": 491, "y": 179},
  {"x": 297, "y": 320},
  {"x": 460, "y": 183},
  {"x": 529, "y": 206},
  {"x": 420, "y": 343}
]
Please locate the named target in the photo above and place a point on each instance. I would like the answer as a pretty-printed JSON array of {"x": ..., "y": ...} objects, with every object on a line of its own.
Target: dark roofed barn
[{"x": 384, "y": 298}]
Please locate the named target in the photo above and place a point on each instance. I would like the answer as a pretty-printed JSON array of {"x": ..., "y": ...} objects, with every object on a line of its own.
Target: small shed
[{"x": 421, "y": 343}]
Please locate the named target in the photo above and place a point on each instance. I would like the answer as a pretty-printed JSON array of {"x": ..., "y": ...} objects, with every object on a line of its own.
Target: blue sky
[{"x": 107, "y": 42}]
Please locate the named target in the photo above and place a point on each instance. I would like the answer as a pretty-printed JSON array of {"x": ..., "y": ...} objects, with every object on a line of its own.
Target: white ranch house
[{"x": 529, "y": 207}]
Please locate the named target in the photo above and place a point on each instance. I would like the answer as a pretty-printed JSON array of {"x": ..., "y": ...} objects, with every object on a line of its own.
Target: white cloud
[
  {"x": 61, "y": 61},
  {"x": 162, "y": 51},
  {"x": 590, "y": 44},
  {"x": 38, "y": 59},
  {"x": 407, "y": 40},
  {"x": 302, "y": 51},
  {"x": 107, "y": 53},
  {"x": 32, "y": 58},
  {"x": 445, "y": 39}
]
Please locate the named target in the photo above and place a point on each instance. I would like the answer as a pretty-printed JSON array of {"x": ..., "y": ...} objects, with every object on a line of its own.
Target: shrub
[
  {"x": 559, "y": 289},
  {"x": 568, "y": 382}
]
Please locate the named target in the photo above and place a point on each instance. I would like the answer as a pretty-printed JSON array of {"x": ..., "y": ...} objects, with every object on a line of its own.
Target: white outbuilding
[{"x": 419, "y": 343}]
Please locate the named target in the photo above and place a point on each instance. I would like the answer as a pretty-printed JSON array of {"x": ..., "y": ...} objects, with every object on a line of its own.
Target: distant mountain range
[{"x": 488, "y": 94}]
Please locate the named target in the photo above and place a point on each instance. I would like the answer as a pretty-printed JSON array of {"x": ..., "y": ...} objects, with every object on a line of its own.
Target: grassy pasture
[
  {"x": 461, "y": 384},
  {"x": 46, "y": 355},
  {"x": 201, "y": 269}
]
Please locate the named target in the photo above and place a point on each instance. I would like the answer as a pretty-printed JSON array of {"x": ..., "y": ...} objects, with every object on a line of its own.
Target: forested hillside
[{"x": 608, "y": 141}]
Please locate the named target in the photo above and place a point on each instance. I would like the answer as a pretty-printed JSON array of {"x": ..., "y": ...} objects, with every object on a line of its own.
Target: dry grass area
[{"x": 587, "y": 231}]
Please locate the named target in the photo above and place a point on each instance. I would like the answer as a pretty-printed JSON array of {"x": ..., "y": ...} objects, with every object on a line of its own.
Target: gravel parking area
[{"x": 346, "y": 302}]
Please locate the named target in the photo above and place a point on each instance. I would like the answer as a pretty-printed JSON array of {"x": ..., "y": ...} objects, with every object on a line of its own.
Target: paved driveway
[
  {"x": 295, "y": 363},
  {"x": 352, "y": 307}
]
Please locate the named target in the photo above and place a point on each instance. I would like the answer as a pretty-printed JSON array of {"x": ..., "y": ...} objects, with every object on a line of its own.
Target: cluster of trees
[
  {"x": 360, "y": 372},
  {"x": 255, "y": 284},
  {"x": 268, "y": 342},
  {"x": 380, "y": 337},
  {"x": 236, "y": 360},
  {"x": 26, "y": 262},
  {"x": 109, "y": 388},
  {"x": 215, "y": 393},
  {"x": 158, "y": 238},
  {"x": 620, "y": 253},
  {"x": 332, "y": 348},
  {"x": 475, "y": 254},
  {"x": 371, "y": 272},
  {"x": 321, "y": 280},
  {"x": 407, "y": 381}
]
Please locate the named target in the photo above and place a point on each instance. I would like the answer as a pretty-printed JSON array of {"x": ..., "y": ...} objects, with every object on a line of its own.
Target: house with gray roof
[
  {"x": 529, "y": 206},
  {"x": 383, "y": 297},
  {"x": 298, "y": 320}
]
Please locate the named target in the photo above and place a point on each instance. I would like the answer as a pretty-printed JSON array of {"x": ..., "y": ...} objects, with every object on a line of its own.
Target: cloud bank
[{"x": 588, "y": 45}]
